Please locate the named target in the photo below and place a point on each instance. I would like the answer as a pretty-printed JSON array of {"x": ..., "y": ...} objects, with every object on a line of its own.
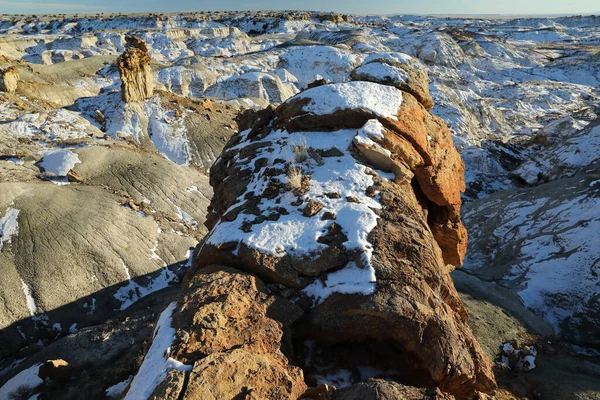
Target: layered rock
[
  {"x": 303, "y": 200},
  {"x": 399, "y": 70},
  {"x": 136, "y": 73},
  {"x": 9, "y": 79}
]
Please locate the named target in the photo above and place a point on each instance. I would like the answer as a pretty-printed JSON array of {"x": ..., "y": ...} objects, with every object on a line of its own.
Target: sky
[{"x": 506, "y": 7}]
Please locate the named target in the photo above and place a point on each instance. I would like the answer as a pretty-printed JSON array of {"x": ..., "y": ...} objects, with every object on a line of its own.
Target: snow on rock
[
  {"x": 53, "y": 125},
  {"x": 308, "y": 63},
  {"x": 29, "y": 298},
  {"x": 168, "y": 133},
  {"x": 519, "y": 359},
  {"x": 59, "y": 163},
  {"x": 157, "y": 362},
  {"x": 383, "y": 72},
  {"x": 9, "y": 226},
  {"x": 295, "y": 234},
  {"x": 253, "y": 84},
  {"x": 132, "y": 291},
  {"x": 350, "y": 279},
  {"x": 564, "y": 158},
  {"x": 27, "y": 378},
  {"x": 116, "y": 390},
  {"x": 382, "y": 100}
]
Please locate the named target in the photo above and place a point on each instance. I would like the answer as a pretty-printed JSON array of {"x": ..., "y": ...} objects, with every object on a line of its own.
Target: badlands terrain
[{"x": 271, "y": 205}]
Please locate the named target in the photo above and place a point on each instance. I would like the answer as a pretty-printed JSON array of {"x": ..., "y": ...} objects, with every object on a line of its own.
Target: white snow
[
  {"x": 9, "y": 226},
  {"x": 116, "y": 390},
  {"x": 296, "y": 234},
  {"x": 58, "y": 163},
  {"x": 349, "y": 279},
  {"x": 341, "y": 378},
  {"x": 132, "y": 292},
  {"x": 30, "y": 301},
  {"x": 27, "y": 378},
  {"x": 382, "y": 100},
  {"x": 383, "y": 73},
  {"x": 157, "y": 362}
]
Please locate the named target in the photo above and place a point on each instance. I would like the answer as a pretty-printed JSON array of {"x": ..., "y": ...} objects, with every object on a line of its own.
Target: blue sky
[{"x": 343, "y": 6}]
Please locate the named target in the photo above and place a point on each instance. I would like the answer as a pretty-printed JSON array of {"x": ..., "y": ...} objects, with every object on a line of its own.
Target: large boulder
[
  {"x": 136, "y": 75},
  {"x": 9, "y": 79},
  {"x": 348, "y": 196},
  {"x": 230, "y": 329}
]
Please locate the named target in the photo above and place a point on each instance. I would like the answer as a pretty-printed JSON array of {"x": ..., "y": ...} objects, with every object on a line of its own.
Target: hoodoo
[
  {"x": 9, "y": 79},
  {"x": 136, "y": 73}
]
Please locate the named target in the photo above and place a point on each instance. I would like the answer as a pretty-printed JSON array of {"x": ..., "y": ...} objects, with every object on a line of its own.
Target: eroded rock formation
[
  {"x": 9, "y": 79},
  {"x": 136, "y": 73},
  {"x": 340, "y": 212}
]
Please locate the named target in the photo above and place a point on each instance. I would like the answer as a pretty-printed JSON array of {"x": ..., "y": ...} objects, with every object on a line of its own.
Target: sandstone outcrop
[
  {"x": 136, "y": 73},
  {"x": 399, "y": 70},
  {"x": 233, "y": 335},
  {"x": 9, "y": 79},
  {"x": 305, "y": 201}
]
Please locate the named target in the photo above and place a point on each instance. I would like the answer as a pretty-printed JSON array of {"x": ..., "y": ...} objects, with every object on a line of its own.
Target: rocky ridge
[{"x": 339, "y": 279}]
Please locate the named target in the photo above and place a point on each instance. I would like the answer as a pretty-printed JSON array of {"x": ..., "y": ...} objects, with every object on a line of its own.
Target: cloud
[{"x": 50, "y": 7}]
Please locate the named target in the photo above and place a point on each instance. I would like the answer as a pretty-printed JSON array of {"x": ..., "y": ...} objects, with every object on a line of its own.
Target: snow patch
[
  {"x": 9, "y": 226},
  {"x": 382, "y": 100},
  {"x": 26, "y": 378},
  {"x": 157, "y": 362},
  {"x": 58, "y": 163}
]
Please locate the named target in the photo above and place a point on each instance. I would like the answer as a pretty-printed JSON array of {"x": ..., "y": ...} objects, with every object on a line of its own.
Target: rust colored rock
[
  {"x": 241, "y": 374},
  {"x": 415, "y": 306},
  {"x": 136, "y": 75},
  {"x": 222, "y": 308},
  {"x": 73, "y": 176},
  {"x": 56, "y": 370},
  {"x": 9, "y": 79},
  {"x": 312, "y": 208},
  {"x": 404, "y": 303},
  {"x": 233, "y": 336},
  {"x": 417, "y": 140}
]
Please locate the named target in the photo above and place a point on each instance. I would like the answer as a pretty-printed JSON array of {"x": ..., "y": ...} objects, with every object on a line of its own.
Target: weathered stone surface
[
  {"x": 413, "y": 308},
  {"x": 170, "y": 388},
  {"x": 9, "y": 79},
  {"x": 226, "y": 319},
  {"x": 223, "y": 308},
  {"x": 420, "y": 145},
  {"x": 383, "y": 390},
  {"x": 409, "y": 76},
  {"x": 243, "y": 374},
  {"x": 136, "y": 75},
  {"x": 415, "y": 305}
]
